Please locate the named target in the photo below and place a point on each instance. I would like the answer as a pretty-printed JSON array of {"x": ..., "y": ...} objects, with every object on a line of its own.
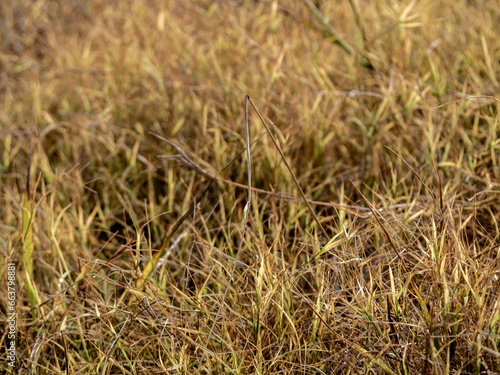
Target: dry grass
[{"x": 407, "y": 281}]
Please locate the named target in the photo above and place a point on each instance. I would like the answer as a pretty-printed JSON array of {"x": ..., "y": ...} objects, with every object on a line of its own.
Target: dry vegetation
[{"x": 402, "y": 279}]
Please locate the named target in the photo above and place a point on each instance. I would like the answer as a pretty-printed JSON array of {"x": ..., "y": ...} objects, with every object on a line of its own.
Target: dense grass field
[{"x": 370, "y": 244}]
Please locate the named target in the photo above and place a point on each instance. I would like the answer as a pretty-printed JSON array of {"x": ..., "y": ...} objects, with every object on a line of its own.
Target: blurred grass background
[{"x": 85, "y": 85}]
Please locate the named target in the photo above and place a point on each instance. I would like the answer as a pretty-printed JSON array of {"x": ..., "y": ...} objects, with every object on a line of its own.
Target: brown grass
[{"x": 405, "y": 279}]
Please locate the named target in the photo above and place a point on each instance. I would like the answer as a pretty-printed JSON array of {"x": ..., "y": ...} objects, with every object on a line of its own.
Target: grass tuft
[{"x": 365, "y": 241}]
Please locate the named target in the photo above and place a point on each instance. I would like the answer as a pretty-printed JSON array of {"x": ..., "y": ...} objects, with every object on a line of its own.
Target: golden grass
[{"x": 405, "y": 281}]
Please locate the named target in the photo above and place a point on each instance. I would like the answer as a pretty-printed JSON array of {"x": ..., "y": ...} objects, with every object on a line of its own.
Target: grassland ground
[{"x": 123, "y": 177}]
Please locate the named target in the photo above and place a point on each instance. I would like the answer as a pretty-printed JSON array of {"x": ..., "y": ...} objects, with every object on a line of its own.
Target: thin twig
[
  {"x": 469, "y": 97},
  {"x": 243, "y": 223},
  {"x": 329, "y": 28},
  {"x": 110, "y": 350},
  {"x": 336, "y": 37},
  {"x": 306, "y": 201},
  {"x": 186, "y": 159}
]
